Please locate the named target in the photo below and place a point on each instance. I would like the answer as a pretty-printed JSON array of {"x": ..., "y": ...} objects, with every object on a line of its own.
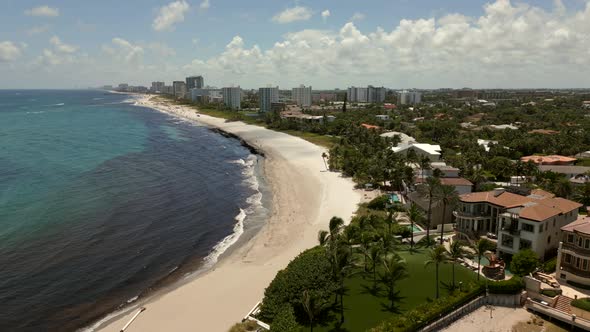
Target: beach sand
[{"x": 305, "y": 197}]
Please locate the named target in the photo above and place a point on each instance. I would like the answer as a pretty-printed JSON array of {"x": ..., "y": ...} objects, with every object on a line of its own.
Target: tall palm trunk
[
  {"x": 442, "y": 227},
  {"x": 453, "y": 267},
  {"x": 412, "y": 234},
  {"x": 342, "y": 301},
  {"x": 437, "y": 280},
  {"x": 429, "y": 219}
]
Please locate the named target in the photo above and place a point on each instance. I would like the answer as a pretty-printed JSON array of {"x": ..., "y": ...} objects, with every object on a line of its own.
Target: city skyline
[{"x": 396, "y": 44}]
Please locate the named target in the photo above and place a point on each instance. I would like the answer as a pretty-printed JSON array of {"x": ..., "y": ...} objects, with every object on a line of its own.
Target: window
[
  {"x": 587, "y": 243},
  {"x": 549, "y": 239},
  {"x": 568, "y": 258},
  {"x": 584, "y": 264},
  {"x": 528, "y": 228},
  {"x": 525, "y": 244},
  {"x": 570, "y": 238},
  {"x": 562, "y": 276},
  {"x": 579, "y": 241},
  {"x": 507, "y": 241},
  {"x": 553, "y": 222}
]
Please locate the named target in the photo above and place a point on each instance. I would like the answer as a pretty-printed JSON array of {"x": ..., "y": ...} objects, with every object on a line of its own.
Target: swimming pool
[
  {"x": 394, "y": 198},
  {"x": 484, "y": 261}
]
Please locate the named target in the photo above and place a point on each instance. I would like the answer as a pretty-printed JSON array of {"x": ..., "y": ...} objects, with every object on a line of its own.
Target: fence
[{"x": 493, "y": 299}]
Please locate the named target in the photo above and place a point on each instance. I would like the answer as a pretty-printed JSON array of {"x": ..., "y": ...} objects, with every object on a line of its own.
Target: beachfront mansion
[{"x": 519, "y": 219}]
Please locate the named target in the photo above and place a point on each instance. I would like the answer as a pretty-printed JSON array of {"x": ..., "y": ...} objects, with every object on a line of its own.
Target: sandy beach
[{"x": 305, "y": 197}]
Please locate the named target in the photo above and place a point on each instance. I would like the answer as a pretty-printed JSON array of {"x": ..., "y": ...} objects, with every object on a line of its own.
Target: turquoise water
[
  {"x": 102, "y": 202},
  {"x": 394, "y": 198},
  {"x": 484, "y": 261}
]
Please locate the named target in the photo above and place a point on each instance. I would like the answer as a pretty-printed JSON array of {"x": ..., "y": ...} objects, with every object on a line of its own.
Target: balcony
[
  {"x": 574, "y": 248},
  {"x": 573, "y": 269},
  {"x": 511, "y": 230},
  {"x": 464, "y": 214}
]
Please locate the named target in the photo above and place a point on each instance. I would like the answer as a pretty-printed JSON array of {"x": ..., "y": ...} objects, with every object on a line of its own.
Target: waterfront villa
[
  {"x": 519, "y": 219},
  {"x": 573, "y": 256}
]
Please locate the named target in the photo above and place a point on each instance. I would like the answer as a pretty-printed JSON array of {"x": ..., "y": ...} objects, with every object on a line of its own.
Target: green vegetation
[
  {"x": 549, "y": 266},
  {"x": 524, "y": 262},
  {"x": 578, "y": 285},
  {"x": 247, "y": 326},
  {"x": 583, "y": 303},
  {"x": 550, "y": 292},
  {"x": 513, "y": 285}
]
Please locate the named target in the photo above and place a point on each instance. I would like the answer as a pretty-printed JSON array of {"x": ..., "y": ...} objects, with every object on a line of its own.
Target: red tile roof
[
  {"x": 582, "y": 225},
  {"x": 368, "y": 126},
  {"x": 548, "y": 160}
]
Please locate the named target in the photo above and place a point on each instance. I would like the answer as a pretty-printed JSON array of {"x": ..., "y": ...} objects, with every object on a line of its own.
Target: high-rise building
[
  {"x": 157, "y": 87},
  {"x": 375, "y": 95},
  {"x": 123, "y": 87},
  {"x": 232, "y": 97},
  {"x": 267, "y": 96},
  {"x": 409, "y": 97},
  {"x": 302, "y": 95},
  {"x": 193, "y": 82},
  {"x": 179, "y": 88},
  {"x": 359, "y": 95}
]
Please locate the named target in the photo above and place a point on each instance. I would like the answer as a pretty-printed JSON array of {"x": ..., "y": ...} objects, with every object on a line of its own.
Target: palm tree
[
  {"x": 310, "y": 306},
  {"x": 448, "y": 196},
  {"x": 324, "y": 156},
  {"x": 437, "y": 256},
  {"x": 455, "y": 252},
  {"x": 414, "y": 215},
  {"x": 374, "y": 254},
  {"x": 427, "y": 191},
  {"x": 477, "y": 177},
  {"x": 424, "y": 165},
  {"x": 582, "y": 194},
  {"x": 394, "y": 270},
  {"x": 323, "y": 237},
  {"x": 349, "y": 236},
  {"x": 480, "y": 248},
  {"x": 340, "y": 261}
]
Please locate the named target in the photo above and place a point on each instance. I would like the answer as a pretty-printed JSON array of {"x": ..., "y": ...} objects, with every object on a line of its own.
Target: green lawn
[{"x": 364, "y": 310}]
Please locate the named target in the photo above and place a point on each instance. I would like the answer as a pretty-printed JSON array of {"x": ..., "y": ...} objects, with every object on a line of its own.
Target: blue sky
[{"x": 396, "y": 43}]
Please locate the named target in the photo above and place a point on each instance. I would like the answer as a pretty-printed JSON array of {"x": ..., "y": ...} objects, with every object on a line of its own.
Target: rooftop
[
  {"x": 582, "y": 225},
  {"x": 450, "y": 181},
  {"x": 539, "y": 205},
  {"x": 552, "y": 159},
  {"x": 428, "y": 148},
  {"x": 368, "y": 126},
  {"x": 564, "y": 169}
]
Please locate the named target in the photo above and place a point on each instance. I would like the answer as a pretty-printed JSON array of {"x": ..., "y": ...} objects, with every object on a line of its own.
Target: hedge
[
  {"x": 576, "y": 284},
  {"x": 513, "y": 285},
  {"x": 428, "y": 312},
  {"x": 583, "y": 303},
  {"x": 550, "y": 292}
]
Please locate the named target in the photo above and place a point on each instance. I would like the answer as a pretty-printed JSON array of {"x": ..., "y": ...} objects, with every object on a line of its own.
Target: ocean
[{"x": 103, "y": 203}]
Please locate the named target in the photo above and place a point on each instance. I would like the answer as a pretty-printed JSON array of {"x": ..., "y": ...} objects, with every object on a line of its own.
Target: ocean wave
[
  {"x": 133, "y": 299},
  {"x": 228, "y": 241},
  {"x": 97, "y": 98},
  {"x": 98, "y": 323},
  {"x": 59, "y": 104},
  {"x": 37, "y": 112}
]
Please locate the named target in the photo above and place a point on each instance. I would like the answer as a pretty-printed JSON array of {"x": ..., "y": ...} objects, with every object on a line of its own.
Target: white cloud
[
  {"x": 37, "y": 30},
  {"x": 161, "y": 50},
  {"x": 9, "y": 51},
  {"x": 289, "y": 15},
  {"x": 510, "y": 45},
  {"x": 61, "y": 46},
  {"x": 44, "y": 11},
  {"x": 357, "y": 17},
  {"x": 170, "y": 14},
  {"x": 325, "y": 14},
  {"x": 205, "y": 5},
  {"x": 124, "y": 52}
]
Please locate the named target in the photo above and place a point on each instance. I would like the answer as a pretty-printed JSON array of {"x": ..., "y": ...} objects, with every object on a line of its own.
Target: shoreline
[{"x": 304, "y": 198}]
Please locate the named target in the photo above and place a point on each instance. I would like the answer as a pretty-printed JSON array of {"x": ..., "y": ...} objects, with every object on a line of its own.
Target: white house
[
  {"x": 530, "y": 220},
  {"x": 433, "y": 152}
]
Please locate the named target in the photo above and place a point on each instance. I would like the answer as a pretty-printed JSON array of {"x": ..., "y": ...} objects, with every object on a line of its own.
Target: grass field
[{"x": 364, "y": 310}]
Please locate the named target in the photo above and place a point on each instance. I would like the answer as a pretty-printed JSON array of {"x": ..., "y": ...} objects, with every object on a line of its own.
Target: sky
[{"x": 323, "y": 43}]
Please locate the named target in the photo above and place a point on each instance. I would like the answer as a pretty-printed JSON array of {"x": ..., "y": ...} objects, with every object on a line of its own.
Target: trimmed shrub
[
  {"x": 576, "y": 284},
  {"x": 309, "y": 271},
  {"x": 285, "y": 321},
  {"x": 550, "y": 292},
  {"x": 583, "y": 303},
  {"x": 426, "y": 313},
  {"x": 524, "y": 262},
  {"x": 247, "y": 326},
  {"x": 513, "y": 285}
]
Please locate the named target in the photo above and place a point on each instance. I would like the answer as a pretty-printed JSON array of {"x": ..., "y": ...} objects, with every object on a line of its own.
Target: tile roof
[
  {"x": 448, "y": 181},
  {"x": 582, "y": 225},
  {"x": 548, "y": 159},
  {"x": 564, "y": 169},
  {"x": 540, "y": 205}
]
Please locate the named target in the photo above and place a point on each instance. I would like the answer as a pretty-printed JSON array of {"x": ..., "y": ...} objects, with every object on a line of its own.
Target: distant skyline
[{"x": 326, "y": 44}]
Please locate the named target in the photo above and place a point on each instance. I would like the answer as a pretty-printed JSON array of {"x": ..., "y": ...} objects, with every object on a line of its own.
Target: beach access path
[{"x": 305, "y": 197}]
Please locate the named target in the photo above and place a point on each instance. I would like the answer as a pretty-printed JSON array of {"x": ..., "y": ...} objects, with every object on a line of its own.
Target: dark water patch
[{"x": 123, "y": 229}]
